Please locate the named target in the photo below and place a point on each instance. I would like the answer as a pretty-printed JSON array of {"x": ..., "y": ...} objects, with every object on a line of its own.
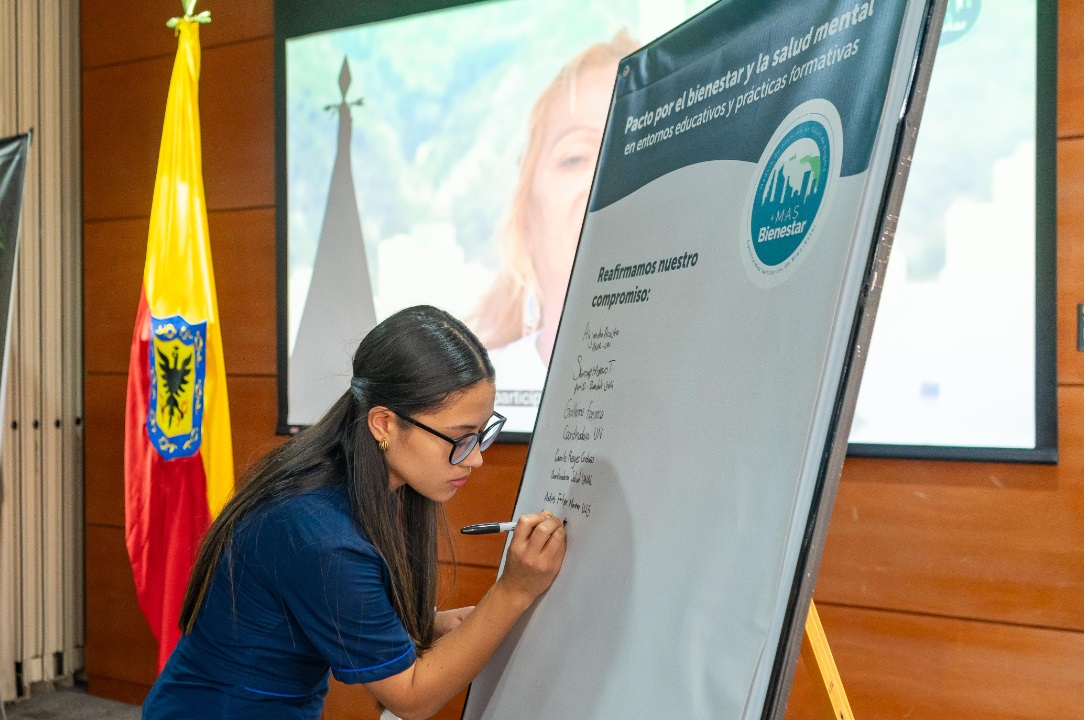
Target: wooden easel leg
[{"x": 822, "y": 669}]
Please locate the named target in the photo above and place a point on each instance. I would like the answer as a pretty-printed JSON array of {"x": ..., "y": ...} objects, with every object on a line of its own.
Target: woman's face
[
  {"x": 561, "y": 182},
  {"x": 420, "y": 459}
]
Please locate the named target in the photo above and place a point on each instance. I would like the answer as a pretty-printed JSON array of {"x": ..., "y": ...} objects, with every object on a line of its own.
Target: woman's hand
[
  {"x": 534, "y": 558},
  {"x": 534, "y": 555},
  {"x": 449, "y": 620}
]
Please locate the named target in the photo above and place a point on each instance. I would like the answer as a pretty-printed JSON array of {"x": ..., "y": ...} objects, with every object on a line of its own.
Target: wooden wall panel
[
  {"x": 120, "y": 644},
  {"x": 238, "y": 122},
  {"x": 123, "y": 110},
  {"x": 1070, "y": 68},
  {"x": 103, "y": 408},
  {"x": 1070, "y": 257},
  {"x": 243, "y": 252},
  {"x": 114, "y": 253},
  {"x": 454, "y": 709},
  {"x": 463, "y": 585},
  {"x": 896, "y": 665},
  {"x": 349, "y": 702},
  {"x": 145, "y": 33},
  {"x": 253, "y": 410},
  {"x": 979, "y": 540}
]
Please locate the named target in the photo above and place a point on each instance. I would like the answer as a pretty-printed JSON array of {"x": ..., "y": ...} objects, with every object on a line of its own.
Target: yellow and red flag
[{"x": 178, "y": 455}]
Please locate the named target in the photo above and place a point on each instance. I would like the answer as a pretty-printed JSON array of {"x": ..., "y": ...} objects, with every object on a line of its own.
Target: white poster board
[{"x": 696, "y": 409}]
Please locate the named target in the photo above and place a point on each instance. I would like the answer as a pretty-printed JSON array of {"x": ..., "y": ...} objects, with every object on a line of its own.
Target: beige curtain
[{"x": 41, "y": 466}]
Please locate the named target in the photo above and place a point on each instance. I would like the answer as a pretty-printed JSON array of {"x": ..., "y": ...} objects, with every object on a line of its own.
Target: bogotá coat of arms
[{"x": 178, "y": 367}]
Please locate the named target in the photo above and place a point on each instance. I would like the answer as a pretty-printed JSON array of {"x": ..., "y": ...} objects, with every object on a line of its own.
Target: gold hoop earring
[{"x": 383, "y": 445}]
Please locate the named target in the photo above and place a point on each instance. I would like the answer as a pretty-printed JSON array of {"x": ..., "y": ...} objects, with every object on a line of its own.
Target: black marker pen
[{"x": 492, "y": 527}]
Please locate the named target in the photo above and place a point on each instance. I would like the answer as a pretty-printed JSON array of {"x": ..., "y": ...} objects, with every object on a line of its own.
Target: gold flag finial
[{"x": 189, "y": 6}]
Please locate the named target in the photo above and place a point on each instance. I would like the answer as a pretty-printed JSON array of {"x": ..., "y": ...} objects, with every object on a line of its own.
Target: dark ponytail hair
[{"x": 412, "y": 362}]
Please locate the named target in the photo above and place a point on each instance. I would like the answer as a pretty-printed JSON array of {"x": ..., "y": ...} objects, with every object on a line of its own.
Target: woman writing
[{"x": 326, "y": 559}]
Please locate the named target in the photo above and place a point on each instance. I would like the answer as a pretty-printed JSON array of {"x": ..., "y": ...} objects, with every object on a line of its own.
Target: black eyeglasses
[{"x": 463, "y": 445}]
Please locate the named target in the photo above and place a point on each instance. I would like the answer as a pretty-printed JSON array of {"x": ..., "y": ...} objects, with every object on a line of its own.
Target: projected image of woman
[{"x": 517, "y": 318}]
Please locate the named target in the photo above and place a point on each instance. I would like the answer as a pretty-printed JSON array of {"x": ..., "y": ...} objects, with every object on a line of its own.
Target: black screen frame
[{"x": 1046, "y": 295}]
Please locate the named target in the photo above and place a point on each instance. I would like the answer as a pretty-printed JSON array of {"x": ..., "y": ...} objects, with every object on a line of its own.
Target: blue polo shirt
[{"x": 310, "y": 595}]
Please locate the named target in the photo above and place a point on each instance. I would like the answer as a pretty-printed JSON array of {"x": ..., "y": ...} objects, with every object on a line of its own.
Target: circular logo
[
  {"x": 960, "y": 19},
  {"x": 795, "y": 180}
]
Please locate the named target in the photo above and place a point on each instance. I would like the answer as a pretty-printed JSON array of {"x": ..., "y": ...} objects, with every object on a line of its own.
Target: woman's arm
[{"x": 534, "y": 558}]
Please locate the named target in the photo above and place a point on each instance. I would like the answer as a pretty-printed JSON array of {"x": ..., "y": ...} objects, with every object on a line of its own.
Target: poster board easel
[{"x": 713, "y": 436}]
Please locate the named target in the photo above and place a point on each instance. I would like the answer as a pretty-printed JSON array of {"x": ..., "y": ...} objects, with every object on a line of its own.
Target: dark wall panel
[
  {"x": 1070, "y": 61},
  {"x": 123, "y": 111},
  {"x": 118, "y": 31},
  {"x": 979, "y": 540},
  {"x": 238, "y": 119},
  {"x": 120, "y": 644},
  {"x": 243, "y": 251},
  {"x": 253, "y": 403},
  {"x": 103, "y": 412},
  {"x": 113, "y": 257},
  {"x": 897, "y": 665}
]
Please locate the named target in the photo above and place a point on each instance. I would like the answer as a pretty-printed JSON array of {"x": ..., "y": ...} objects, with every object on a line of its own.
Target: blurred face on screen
[
  {"x": 560, "y": 185},
  {"x": 564, "y": 134}
]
